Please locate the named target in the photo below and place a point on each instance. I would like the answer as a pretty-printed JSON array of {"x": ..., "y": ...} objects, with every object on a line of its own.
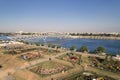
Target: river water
[{"x": 111, "y": 46}]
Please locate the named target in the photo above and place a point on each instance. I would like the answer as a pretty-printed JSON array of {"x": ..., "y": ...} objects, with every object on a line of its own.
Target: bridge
[{"x": 23, "y": 37}]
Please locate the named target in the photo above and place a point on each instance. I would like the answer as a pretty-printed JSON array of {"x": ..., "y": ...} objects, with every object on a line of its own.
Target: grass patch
[{"x": 48, "y": 68}]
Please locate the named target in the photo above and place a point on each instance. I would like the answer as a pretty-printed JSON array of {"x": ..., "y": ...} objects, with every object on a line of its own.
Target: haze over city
[{"x": 60, "y": 15}]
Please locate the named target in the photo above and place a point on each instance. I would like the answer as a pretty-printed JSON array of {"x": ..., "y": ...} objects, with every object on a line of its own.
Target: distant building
[{"x": 20, "y": 32}]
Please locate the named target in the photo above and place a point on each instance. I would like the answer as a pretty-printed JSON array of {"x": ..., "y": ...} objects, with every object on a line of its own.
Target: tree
[
  {"x": 13, "y": 52},
  {"x": 58, "y": 46},
  {"x": 72, "y": 34},
  {"x": 80, "y": 78},
  {"x": 100, "y": 49},
  {"x": 84, "y": 49},
  {"x": 26, "y": 42},
  {"x": 49, "y": 45},
  {"x": 37, "y": 44},
  {"x": 42, "y": 44},
  {"x": 80, "y": 59},
  {"x": 53, "y": 46},
  {"x": 72, "y": 48}
]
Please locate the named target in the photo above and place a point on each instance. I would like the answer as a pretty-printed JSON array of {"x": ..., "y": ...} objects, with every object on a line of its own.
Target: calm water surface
[{"x": 112, "y": 46}]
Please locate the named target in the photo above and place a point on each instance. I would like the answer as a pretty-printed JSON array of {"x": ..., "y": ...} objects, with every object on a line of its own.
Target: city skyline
[{"x": 60, "y": 15}]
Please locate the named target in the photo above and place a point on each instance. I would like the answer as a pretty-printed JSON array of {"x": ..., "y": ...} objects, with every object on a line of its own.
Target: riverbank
[{"x": 97, "y": 37}]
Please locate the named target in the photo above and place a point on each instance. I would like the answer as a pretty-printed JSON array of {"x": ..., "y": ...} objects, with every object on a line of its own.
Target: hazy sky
[{"x": 60, "y": 15}]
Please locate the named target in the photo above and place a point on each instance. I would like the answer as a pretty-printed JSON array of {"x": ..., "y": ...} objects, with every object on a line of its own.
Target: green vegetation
[
  {"x": 106, "y": 64},
  {"x": 13, "y": 52},
  {"x": 71, "y": 57},
  {"x": 87, "y": 76},
  {"x": 58, "y": 46},
  {"x": 26, "y": 42},
  {"x": 100, "y": 49},
  {"x": 49, "y": 45},
  {"x": 54, "y": 46},
  {"x": 91, "y": 34},
  {"x": 72, "y": 48},
  {"x": 7, "y": 34},
  {"x": 42, "y": 44},
  {"x": 37, "y": 44},
  {"x": 84, "y": 49},
  {"x": 18, "y": 51},
  {"x": 27, "y": 33},
  {"x": 48, "y": 68}
]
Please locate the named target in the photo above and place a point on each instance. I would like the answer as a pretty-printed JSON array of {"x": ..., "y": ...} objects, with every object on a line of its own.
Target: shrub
[
  {"x": 72, "y": 48},
  {"x": 84, "y": 49},
  {"x": 100, "y": 49}
]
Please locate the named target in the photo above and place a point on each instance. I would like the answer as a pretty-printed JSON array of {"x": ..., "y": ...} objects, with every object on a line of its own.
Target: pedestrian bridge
[{"x": 23, "y": 37}]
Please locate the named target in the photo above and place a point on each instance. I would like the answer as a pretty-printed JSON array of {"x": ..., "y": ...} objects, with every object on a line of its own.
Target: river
[{"x": 111, "y": 46}]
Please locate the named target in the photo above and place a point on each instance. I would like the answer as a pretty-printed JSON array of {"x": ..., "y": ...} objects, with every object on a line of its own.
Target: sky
[{"x": 60, "y": 15}]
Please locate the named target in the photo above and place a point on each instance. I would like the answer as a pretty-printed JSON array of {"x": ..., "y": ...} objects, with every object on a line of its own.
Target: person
[
  {"x": 0, "y": 66},
  {"x": 49, "y": 59},
  {"x": 9, "y": 73},
  {"x": 39, "y": 55}
]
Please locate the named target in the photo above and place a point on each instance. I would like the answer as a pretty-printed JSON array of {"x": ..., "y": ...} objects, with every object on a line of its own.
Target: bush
[
  {"x": 84, "y": 49},
  {"x": 100, "y": 49},
  {"x": 53, "y": 46},
  {"x": 42, "y": 44},
  {"x": 72, "y": 48},
  {"x": 37, "y": 44},
  {"x": 58, "y": 46}
]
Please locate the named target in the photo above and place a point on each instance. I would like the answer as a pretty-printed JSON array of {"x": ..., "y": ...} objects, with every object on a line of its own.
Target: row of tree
[
  {"x": 91, "y": 34},
  {"x": 49, "y": 45},
  {"x": 6, "y": 34},
  {"x": 99, "y": 49}
]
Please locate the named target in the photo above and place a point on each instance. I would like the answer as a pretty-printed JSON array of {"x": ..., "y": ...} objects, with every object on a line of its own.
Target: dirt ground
[
  {"x": 25, "y": 75},
  {"x": 12, "y": 67}
]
